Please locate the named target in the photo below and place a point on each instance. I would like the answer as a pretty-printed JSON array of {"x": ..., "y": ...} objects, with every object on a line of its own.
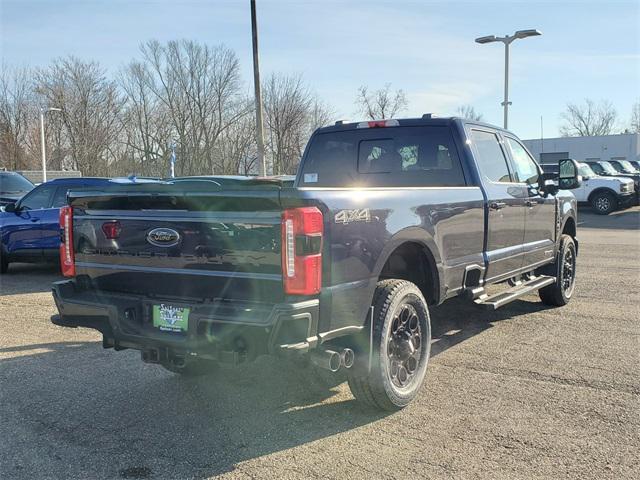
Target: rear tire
[
  {"x": 604, "y": 203},
  {"x": 564, "y": 270},
  {"x": 401, "y": 347}
]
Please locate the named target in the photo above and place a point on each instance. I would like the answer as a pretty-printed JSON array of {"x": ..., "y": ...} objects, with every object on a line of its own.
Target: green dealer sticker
[{"x": 169, "y": 318}]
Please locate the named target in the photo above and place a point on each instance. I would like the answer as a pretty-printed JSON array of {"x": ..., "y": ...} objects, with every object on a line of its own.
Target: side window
[
  {"x": 526, "y": 169},
  {"x": 491, "y": 159},
  {"x": 38, "y": 198},
  {"x": 60, "y": 197}
]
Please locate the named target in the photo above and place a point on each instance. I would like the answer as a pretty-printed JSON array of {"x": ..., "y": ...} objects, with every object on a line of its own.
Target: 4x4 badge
[{"x": 348, "y": 216}]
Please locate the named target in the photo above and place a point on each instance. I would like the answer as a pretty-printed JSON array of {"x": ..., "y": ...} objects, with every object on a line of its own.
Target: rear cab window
[{"x": 408, "y": 156}]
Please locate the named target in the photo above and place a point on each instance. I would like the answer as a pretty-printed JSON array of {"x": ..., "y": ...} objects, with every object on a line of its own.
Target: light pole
[
  {"x": 256, "y": 81},
  {"x": 44, "y": 154},
  {"x": 172, "y": 159},
  {"x": 507, "y": 39}
]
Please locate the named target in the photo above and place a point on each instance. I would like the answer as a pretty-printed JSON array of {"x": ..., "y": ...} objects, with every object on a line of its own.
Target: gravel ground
[{"x": 524, "y": 392}]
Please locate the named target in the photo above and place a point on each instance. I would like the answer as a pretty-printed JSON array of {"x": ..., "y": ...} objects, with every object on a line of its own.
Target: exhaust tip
[
  {"x": 347, "y": 358},
  {"x": 327, "y": 359},
  {"x": 335, "y": 361}
]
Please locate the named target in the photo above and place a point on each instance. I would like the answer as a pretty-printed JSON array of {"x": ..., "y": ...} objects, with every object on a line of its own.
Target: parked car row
[
  {"x": 607, "y": 186},
  {"x": 29, "y": 217}
]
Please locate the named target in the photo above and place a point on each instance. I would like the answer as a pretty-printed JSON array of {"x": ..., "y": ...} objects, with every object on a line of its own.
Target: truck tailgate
[{"x": 173, "y": 244}]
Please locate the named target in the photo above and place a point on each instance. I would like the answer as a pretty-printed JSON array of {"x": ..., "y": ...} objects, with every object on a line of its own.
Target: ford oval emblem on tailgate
[{"x": 163, "y": 237}]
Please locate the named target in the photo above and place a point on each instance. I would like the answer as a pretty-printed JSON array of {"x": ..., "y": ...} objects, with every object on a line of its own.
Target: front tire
[
  {"x": 401, "y": 348},
  {"x": 564, "y": 270},
  {"x": 604, "y": 203}
]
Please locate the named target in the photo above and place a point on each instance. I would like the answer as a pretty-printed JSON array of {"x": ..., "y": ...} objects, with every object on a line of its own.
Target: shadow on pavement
[
  {"x": 78, "y": 411},
  {"x": 28, "y": 278},
  {"x": 620, "y": 220},
  {"x": 458, "y": 319}
]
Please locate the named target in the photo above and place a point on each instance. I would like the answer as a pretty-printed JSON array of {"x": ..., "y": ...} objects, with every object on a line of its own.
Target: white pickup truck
[{"x": 604, "y": 194}]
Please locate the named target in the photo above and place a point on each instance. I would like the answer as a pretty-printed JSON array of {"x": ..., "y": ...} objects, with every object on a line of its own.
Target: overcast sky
[{"x": 588, "y": 49}]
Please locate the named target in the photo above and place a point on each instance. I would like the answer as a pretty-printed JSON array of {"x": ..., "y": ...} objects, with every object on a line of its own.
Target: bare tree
[
  {"x": 182, "y": 91},
  {"x": 147, "y": 129},
  {"x": 320, "y": 115},
  {"x": 199, "y": 88},
  {"x": 635, "y": 118},
  {"x": 292, "y": 112},
  {"x": 469, "y": 112},
  {"x": 588, "y": 119},
  {"x": 236, "y": 151},
  {"x": 18, "y": 114},
  {"x": 91, "y": 107},
  {"x": 382, "y": 103}
]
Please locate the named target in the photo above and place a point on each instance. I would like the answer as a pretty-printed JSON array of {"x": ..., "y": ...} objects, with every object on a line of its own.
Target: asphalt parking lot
[{"x": 523, "y": 392}]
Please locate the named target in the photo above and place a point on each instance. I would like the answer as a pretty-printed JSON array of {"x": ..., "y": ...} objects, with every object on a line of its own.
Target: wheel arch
[
  {"x": 413, "y": 256},
  {"x": 569, "y": 227},
  {"x": 601, "y": 190}
]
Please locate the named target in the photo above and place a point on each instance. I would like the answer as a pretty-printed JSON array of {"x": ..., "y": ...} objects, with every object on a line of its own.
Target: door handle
[
  {"x": 531, "y": 203},
  {"x": 497, "y": 205},
  {"x": 34, "y": 219}
]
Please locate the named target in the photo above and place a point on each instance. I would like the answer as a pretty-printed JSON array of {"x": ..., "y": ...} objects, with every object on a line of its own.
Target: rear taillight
[
  {"x": 67, "y": 260},
  {"x": 302, "y": 230}
]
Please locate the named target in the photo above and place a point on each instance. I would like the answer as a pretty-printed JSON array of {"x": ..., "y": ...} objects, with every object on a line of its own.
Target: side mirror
[
  {"x": 548, "y": 183},
  {"x": 569, "y": 177},
  {"x": 10, "y": 207}
]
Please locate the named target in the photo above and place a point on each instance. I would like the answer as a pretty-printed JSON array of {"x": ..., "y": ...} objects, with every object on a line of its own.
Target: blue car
[{"x": 29, "y": 229}]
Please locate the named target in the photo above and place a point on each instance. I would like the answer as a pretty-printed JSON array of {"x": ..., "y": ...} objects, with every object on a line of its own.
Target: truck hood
[{"x": 609, "y": 181}]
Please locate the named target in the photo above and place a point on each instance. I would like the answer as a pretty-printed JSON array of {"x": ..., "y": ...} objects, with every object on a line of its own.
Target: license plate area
[{"x": 170, "y": 317}]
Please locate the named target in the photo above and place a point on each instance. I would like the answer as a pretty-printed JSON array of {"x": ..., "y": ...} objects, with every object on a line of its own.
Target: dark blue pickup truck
[{"x": 384, "y": 219}]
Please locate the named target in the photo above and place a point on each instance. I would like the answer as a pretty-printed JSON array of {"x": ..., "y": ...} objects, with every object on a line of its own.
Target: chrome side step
[{"x": 500, "y": 299}]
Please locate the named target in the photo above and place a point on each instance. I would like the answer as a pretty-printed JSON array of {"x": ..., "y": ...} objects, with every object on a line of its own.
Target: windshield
[
  {"x": 608, "y": 168},
  {"x": 626, "y": 165},
  {"x": 585, "y": 171},
  {"x": 14, "y": 184}
]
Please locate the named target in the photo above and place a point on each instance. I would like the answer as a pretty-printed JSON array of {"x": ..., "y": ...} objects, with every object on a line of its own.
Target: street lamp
[
  {"x": 44, "y": 155},
  {"x": 507, "y": 39}
]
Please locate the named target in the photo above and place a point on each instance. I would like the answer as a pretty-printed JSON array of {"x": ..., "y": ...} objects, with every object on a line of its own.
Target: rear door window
[
  {"x": 384, "y": 157},
  {"x": 60, "y": 197},
  {"x": 490, "y": 156}
]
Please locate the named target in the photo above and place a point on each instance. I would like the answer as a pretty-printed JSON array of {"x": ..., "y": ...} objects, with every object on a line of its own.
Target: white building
[{"x": 625, "y": 146}]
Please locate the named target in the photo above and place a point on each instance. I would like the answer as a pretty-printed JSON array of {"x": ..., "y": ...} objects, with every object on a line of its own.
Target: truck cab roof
[{"x": 425, "y": 120}]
